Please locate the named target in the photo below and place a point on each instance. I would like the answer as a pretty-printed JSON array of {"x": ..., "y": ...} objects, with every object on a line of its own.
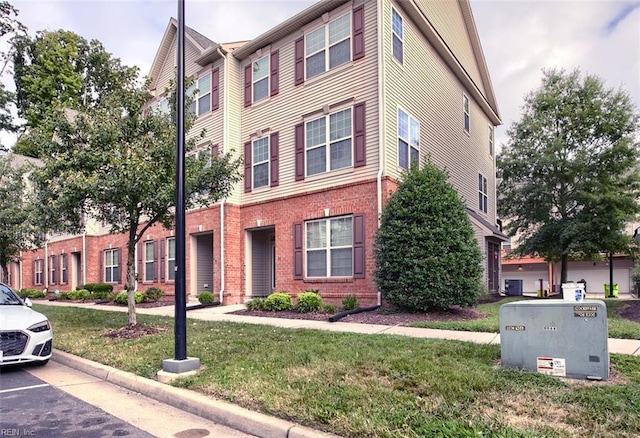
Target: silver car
[{"x": 25, "y": 335}]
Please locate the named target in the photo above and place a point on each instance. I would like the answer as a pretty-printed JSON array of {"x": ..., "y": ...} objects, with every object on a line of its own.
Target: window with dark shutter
[
  {"x": 358, "y": 32},
  {"x": 101, "y": 276},
  {"x": 299, "y": 61},
  {"x": 273, "y": 159},
  {"x": 247, "y": 167},
  {"x": 215, "y": 89},
  {"x": 140, "y": 258},
  {"x": 275, "y": 75},
  {"x": 299, "y": 140},
  {"x": 155, "y": 261},
  {"x": 359, "y": 145},
  {"x": 247, "y": 85},
  {"x": 119, "y": 251},
  {"x": 163, "y": 255},
  {"x": 358, "y": 246},
  {"x": 297, "y": 251}
]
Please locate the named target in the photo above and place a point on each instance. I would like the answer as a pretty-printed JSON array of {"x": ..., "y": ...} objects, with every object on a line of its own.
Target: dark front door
[{"x": 493, "y": 266}]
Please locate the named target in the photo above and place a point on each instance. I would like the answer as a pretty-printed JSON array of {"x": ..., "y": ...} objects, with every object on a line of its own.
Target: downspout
[
  {"x": 84, "y": 256},
  {"x": 225, "y": 142},
  {"x": 381, "y": 119}
]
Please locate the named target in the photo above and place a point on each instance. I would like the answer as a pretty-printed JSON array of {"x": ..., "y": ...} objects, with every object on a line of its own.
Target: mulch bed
[{"x": 132, "y": 331}]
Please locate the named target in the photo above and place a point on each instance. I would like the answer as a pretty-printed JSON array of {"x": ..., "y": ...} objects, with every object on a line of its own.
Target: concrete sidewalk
[{"x": 241, "y": 419}]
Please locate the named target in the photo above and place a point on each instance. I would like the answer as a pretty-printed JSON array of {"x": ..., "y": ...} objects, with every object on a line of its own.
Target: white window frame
[
  {"x": 483, "y": 193},
  {"x": 148, "y": 260},
  {"x": 260, "y": 162},
  {"x": 327, "y": 45},
  {"x": 395, "y": 35},
  {"x": 466, "y": 111},
  {"x": 265, "y": 78},
  {"x": 491, "y": 140},
  {"x": 412, "y": 142},
  {"x": 161, "y": 106},
  {"x": 328, "y": 142},
  {"x": 112, "y": 267},
  {"x": 39, "y": 265},
  {"x": 325, "y": 245},
  {"x": 171, "y": 270},
  {"x": 197, "y": 94},
  {"x": 63, "y": 269},
  {"x": 53, "y": 278}
]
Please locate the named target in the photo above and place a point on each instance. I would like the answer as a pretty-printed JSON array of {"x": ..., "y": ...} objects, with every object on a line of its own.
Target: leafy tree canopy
[
  {"x": 426, "y": 254},
  {"x": 568, "y": 176},
  {"x": 10, "y": 28}
]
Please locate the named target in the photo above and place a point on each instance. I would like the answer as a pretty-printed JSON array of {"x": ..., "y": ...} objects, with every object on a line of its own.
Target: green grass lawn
[
  {"x": 365, "y": 385},
  {"x": 618, "y": 327}
]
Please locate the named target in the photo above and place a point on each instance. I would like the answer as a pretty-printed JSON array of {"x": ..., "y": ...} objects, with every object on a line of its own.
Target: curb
[{"x": 227, "y": 414}]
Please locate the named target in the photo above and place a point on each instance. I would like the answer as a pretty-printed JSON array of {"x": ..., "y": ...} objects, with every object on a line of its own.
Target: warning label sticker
[{"x": 552, "y": 366}]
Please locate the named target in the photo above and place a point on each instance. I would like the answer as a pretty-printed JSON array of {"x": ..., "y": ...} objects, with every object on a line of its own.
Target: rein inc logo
[{"x": 17, "y": 432}]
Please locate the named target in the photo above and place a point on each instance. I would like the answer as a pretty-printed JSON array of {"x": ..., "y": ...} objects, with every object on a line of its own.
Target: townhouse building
[{"x": 327, "y": 109}]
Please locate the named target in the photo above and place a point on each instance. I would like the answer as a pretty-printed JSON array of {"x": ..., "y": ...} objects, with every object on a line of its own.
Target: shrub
[
  {"x": 206, "y": 297},
  {"x": 97, "y": 287},
  {"x": 101, "y": 295},
  {"x": 153, "y": 294},
  {"x": 122, "y": 297},
  {"x": 308, "y": 302},
  {"x": 278, "y": 301},
  {"x": 350, "y": 302},
  {"x": 256, "y": 304},
  {"x": 79, "y": 294},
  {"x": 30, "y": 293},
  {"x": 330, "y": 308},
  {"x": 427, "y": 257},
  {"x": 64, "y": 296}
]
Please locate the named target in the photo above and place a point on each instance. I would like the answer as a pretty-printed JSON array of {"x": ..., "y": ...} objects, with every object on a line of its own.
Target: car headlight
[{"x": 39, "y": 327}]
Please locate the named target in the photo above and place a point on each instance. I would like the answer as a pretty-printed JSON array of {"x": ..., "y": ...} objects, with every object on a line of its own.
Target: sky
[{"x": 519, "y": 38}]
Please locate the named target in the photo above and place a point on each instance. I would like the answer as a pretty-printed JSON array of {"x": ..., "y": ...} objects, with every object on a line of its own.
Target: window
[
  {"x": 171, "y": 259},
  {"x": 328, "y": 46},
  {"x": 465, "y": 110},
  {"x": 491, "y": 137},
  {"x": 202, "y": 98},
  {"x": 483, "y": 199},
  {"x": 63, "y": 269},
  {"x": 329, "y": 247},
  {"x": 149, "y": 261},
  {"x": 37, "y": 269},
  {"x": 53, "y": 279},
  {"x": 408, "y": 140},
  {"x": 328, "y": 142},
  {"x": 260, "y": 162},
  {"x": 261, "y": 78},
  {"x": 397, "y": 36},
  {"x": 111, "y": 268},
  {"x": 161, "y": 106}
]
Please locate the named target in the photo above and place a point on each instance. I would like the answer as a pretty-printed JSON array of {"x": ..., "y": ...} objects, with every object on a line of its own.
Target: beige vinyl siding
[
  {"x": 425, "y": 88},
  {"x": 349, "y": 84},
  {"x": 446, "y": 17},
  {"x": 234, "y": 101},
  {"x": 212, "y": 121}
]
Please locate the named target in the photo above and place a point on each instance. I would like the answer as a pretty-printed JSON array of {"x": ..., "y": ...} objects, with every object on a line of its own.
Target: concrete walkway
[{"x": 241, "y": 419}]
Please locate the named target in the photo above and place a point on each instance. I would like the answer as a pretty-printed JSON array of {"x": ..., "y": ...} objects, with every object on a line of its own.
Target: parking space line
[{"x": 22, "y": 388}]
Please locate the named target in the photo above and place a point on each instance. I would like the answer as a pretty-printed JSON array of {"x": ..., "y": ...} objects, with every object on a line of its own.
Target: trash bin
[
  {"x": 513, "y": 287},
  {"x": 572, "y": 291},
  {"x": 615, "y": 290}
]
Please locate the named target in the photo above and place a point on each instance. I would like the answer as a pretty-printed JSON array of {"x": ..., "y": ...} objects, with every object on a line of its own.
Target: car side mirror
[{"x": 28, "y": 302}]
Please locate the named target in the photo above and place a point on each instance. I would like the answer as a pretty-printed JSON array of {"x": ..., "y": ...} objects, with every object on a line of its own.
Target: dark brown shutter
[
  {"x": 215, "y": 89},
  {"x": 155, "y": 260},
  {"x": 141, "y": 271},
  {"x": 247, "y": 85},
  {"x": 358, "y": 246},
  {"x": 163, "y": 254},
  {"x": 101, "y": 263},
  {"x": 247, "y": 167},
  {"x": 359, "y": 146},
  {"x": 35, "y": 277},
  {"x": 299, "y": 152},
  {"x": 358, "y": 32},
  {"x": 215, "y": 150},
  {"x": 297, "y": 251},
  {"x": 120, "y": 270},
  {"x": 54, "y": 270},
  {"x": 275, "y": 72},
  {"x": 299, "y": 61},
  {"x": 273, "y": 160}
]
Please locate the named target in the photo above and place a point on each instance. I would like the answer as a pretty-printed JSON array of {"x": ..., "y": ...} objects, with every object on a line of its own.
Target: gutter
[{"x": 225, "y": 142}]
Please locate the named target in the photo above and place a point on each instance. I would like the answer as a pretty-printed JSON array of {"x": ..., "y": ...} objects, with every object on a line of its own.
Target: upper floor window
[
  {"x": 397, "y": 35},
  {"x": 260, "y": 78},
  {"x": 111, "y": 266},
  {"x": 162, "y": 106},
  {"x": 408, "y": 140},
  {"x": 149, "y": 258},
  {"x": 465, "y": 110},
  {"x": 171, "y": 259},
  {"x": 260, "y": 162},
  {"x": 329, "y": 247},
  {"x": 491, "y": 138},
  {"x": 200, "y": 90},
  {"x": 328, "y": 142},
  {"x": 328, "y": 46},
  {"x": 483, "y": 198}
]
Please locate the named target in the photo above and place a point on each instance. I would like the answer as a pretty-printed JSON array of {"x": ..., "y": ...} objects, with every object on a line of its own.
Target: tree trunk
[
  {"x": 5, "y": 274},
  {"x": 131, "y": 278},
  {"x": 563, "y": 272}
]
